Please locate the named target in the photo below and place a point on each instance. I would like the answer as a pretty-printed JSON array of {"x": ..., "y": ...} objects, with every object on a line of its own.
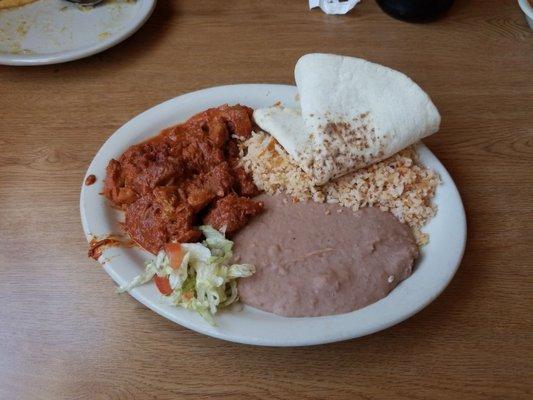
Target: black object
[{"x": 415, "y": 10}]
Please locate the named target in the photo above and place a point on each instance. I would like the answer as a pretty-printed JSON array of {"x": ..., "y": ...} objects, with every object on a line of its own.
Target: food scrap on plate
[{"x": 14, "y": 3}]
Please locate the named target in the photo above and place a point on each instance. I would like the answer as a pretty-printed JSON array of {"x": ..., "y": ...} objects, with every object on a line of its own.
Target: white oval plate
[
  {"x": 434, "y": 270},
  {"x": 55, "y": 31}
]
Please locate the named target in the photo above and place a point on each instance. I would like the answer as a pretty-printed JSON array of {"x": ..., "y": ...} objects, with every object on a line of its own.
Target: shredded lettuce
[
  {"x": 205, "y": 281},
  {"x": 221, "y": 248},
  {"x": 177, "y": 277}
]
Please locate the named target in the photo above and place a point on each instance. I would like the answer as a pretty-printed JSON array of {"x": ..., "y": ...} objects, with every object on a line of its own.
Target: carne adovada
[{"x": 187, "y": 174}]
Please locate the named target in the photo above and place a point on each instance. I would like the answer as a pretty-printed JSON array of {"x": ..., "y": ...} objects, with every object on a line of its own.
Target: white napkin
[{"x": 334, "y": 6}]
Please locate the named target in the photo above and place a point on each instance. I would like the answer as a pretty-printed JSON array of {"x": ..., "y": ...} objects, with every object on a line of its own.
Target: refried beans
[{"x": 316, "y": 259}]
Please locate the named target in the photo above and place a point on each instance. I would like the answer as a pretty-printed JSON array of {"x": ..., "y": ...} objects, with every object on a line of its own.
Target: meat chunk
[
  {"x": 207, "y": 186},
  {"x": 244, "y": 183},
  {"x": 145, "y": 222},
  {"x": 219, "y": 180},
  {"x": 154, "y": 220},
  {"x": 167, "y": 197},
  {"x": 232, "y": 213},
  {"x": 114, "y": 188},
  {"x": 147, "y": 165},
  {"x": 196, "y": 151},
  {"x": 199, "y": 196},
  {"x": 182, "y": 230},
  {"x": 232, "y": 150},
  {"x": 217, "y": 132},
  {"x": 238, "y": 119}
]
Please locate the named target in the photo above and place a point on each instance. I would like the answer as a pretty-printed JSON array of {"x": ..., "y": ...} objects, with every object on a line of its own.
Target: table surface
[{"x": 64, "y": 334}]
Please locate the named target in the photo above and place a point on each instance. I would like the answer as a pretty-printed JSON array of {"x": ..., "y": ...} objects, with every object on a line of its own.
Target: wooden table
[{"x": 64, "y": 334}]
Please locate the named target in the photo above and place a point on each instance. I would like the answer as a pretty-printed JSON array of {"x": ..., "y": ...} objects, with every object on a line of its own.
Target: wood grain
[{"x": 64, "y": 334}]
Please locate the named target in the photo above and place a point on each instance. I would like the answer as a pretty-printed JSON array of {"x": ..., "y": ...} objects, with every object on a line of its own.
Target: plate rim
[
  {"x": 145, "y": 11},
  {"x": 205, "y": 328}
]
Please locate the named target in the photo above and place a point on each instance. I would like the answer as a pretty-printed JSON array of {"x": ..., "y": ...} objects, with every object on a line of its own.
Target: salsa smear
[{"x": 187, "y": 175}]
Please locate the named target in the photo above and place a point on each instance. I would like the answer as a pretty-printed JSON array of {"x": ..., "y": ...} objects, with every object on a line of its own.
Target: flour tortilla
[
  {"x": 353, "y": 113},
  {"x": 14, "y": 3},
  {"x": 286, "y": 125}
]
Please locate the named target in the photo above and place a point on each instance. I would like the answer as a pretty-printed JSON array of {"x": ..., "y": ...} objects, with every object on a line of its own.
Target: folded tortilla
[{"x": 353, "y": 113}]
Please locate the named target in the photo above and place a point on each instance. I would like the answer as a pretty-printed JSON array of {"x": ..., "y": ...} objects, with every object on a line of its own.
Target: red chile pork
[{"x": 188, "y": 173}]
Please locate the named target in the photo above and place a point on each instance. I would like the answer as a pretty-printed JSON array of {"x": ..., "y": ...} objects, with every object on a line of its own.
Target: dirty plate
[
  {"x": 433, "y": 271},
  {"x": 55, "y": 31}
]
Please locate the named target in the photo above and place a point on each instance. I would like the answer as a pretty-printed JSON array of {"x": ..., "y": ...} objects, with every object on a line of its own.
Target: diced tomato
[
  {"x": 175, "y": 254},
  {"x": 163, "y": 285}
]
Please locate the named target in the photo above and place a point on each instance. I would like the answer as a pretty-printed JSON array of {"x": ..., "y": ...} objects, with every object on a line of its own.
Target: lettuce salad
[{"x": 201, "y": 279}]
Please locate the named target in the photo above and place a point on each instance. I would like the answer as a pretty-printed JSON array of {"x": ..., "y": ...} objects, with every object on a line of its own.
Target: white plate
[
  {"x": 55, "y": 31},
  {"x": 434, "y": 270}
]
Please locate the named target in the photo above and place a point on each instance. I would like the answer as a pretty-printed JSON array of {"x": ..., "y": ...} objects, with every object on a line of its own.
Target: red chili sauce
[{"x": 187, "y": 175}]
